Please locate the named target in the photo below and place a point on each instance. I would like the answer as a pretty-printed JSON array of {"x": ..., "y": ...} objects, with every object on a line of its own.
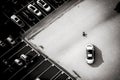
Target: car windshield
[
  {"x": 33, "y": 8},
  {"x": 16, "y": 19},
  {"x": 89, "y": 57},
  {"x": 42, "y": 2},
  {"x": 37, "y": 11},
  {"x": 90, "y": 51},
  {"x": 46, "y": 6},
  {"x": 19, "y": 22}
]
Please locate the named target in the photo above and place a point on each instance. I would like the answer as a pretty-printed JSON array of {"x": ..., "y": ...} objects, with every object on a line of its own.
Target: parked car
[
  {"x": 23, "y": 57},
  {"x": 17, "y": 20},
  {"x": 37, "y": 78},
  {"x": 90, "y": 53},
  {"x": 34, "y": 10},
  {"x": 44, "y": 5},
  {"x": 19, "y": 62},
  {"x": 11, "y": 40},
  {"x": 2, "y": 44},
  {"x": 27, "y": 59}
]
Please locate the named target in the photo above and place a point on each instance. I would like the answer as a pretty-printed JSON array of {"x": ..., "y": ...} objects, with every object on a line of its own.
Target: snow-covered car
[
  {"x": 44, "y": 5},
  {"x": 34, "y": 10},
  {"x": 90, "y": 53}
]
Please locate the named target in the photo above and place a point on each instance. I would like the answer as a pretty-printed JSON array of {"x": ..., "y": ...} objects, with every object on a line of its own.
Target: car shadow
[{"x": 98, "y": 58}]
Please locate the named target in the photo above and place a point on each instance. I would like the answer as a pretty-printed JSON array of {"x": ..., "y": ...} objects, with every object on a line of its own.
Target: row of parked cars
[
  {"x": 33, "y": 9},
  {"x": 14, "y": 23},
  {"x": 38, "y": 8}
]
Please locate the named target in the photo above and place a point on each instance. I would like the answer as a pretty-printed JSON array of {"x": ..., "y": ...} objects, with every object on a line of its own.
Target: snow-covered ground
[{"x": 64, "y": 43}]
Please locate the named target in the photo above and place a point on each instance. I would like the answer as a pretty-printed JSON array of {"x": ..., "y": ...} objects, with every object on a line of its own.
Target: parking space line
[
  {"x": 32, "y": 70},
  {"x": 16, "y": 52},
  {"x": 10, "y": 49},
  {"x": 44, "y": 71}
]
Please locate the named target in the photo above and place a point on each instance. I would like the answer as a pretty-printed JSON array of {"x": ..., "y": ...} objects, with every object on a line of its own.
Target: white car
[
  {"x": 26, "y": 58},
  {"x": 37, "y": 78},
  {"x": 23, "y": 57},
  {"x": 10, "y": 40},
  {"x": 90, "y": 53},
  {"x": 18, "y": 62},
  {"x": 17, "y": 20},
  {"x": 2, "y": 44},
  {"x": 34, "y": 10},
  {"x": 44, "y": 5}
]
